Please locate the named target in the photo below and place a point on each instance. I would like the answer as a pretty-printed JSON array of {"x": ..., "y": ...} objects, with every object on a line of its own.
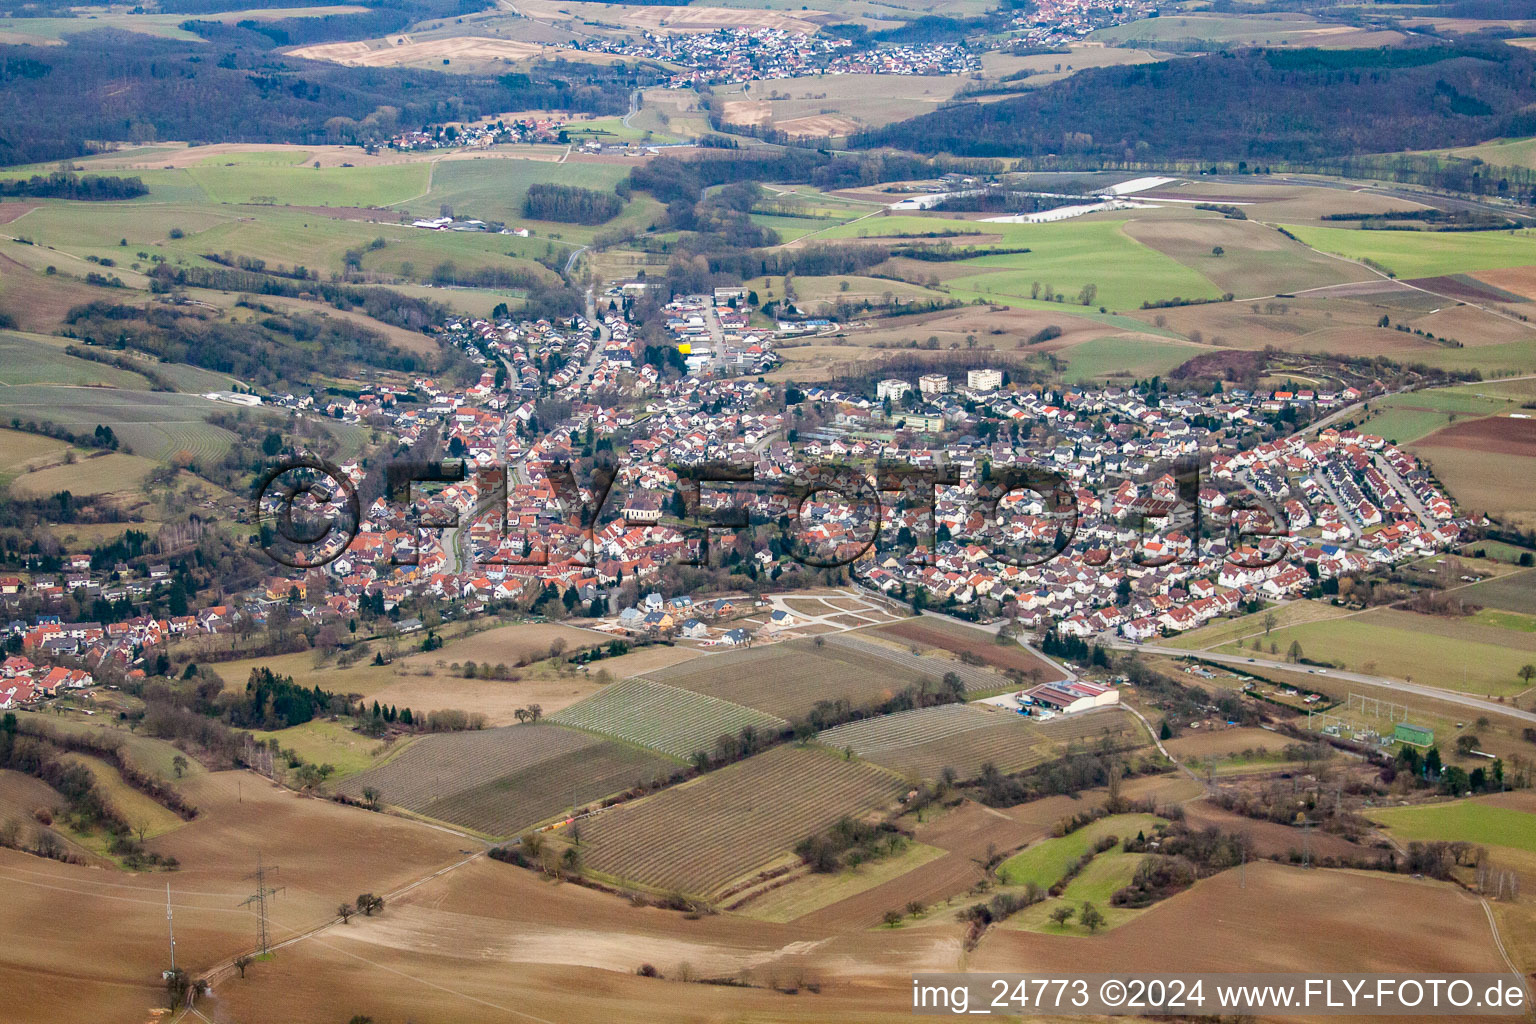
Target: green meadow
[
  {"x": 1065, "y": 255},
  {"x": 1467, "y": 821},
  {"x": 1411, "y": 254}
]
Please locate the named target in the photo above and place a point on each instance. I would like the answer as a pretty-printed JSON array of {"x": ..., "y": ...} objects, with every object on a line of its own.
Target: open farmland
[
  {"x": 38, "y": 360},
  {"x": 930, "y": 631},
  {"x": 976, "y": 680},
  {"x": 1419, "y": 648},
  {"x": 497, "y": 781},
  {"x": 102, "y": 473},
  {"x": 535, "y": 792},
  {"x": 675, "y": 721},
  {"x": 1067, "y": 255},
  {"x": 1255, "y": 259},
  {"x": 1046, "y": 861},
  {"x": 427, "y": 51},
  {"x": 962, "y": 737},
  {"x": 157, "y": 425},
  {"x": 1505, "y": 820},
  {"x": 696, "y": 837},
  {"x": 1099, "y": 881},
  {"x": 1414, "y": 254},
  {"x": 788, "y": 679},
  {"x": 1483, "y": 481},
  {"x": 1513, "y": 593}
]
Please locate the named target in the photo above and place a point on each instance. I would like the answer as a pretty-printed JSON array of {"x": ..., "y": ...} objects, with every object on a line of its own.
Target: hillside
[{"x": 1261, "y": 105}]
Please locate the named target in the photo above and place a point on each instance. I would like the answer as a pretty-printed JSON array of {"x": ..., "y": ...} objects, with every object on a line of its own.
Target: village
[{"x": 1129, "y": 561}]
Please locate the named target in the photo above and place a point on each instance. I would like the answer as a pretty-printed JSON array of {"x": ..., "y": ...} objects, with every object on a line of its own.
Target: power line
[{"x": 263, "y": 893}]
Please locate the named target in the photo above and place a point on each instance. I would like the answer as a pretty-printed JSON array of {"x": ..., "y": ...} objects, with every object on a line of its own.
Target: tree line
[
  {"x": 278, "y": 347},
  {"x": 60, "y": 185}
]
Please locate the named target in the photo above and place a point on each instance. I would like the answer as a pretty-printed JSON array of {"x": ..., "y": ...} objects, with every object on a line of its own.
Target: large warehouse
[{"x": 1069, "y": 697}]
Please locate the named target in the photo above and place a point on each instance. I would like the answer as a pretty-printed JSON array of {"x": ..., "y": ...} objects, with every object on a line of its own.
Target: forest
[
  {"x": 112, "y": 86},
  {"x": 380, "y": 19},
  {"x": 570, "y": 204},
  {"x": 1293, "y": 105},
  {"x": 92, "y": 187}
]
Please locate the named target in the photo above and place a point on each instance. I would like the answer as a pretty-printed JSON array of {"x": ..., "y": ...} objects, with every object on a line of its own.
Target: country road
[{"x": 1417, "y": 689}]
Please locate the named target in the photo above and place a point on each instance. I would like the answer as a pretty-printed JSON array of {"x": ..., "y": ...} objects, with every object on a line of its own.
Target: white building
[
  {"x": 933, "y": 383},
  {"x": 892, "y": 389},
  {"x": 1070, "y": 696},
  {"x": 984, "y": 380}
]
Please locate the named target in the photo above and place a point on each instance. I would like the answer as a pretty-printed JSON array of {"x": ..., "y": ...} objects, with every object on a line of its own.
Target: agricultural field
[
  {"x": 812, "y": 892},
  {"x": 932, "y": 632},
  {"x": 1414, "y": 254},
  {"x": 860, "y": 100},
  {"x": 555, "y": 785},
  {"x": 799, "y": 674},
  {"x": 1245, "y": 627},
  {"x": 1412, "y": 416},
  {"x": 697, "y": 837},
  {"x": 498, "y": 781},
  {"x": 321, "y": 742},
  {"x": 1313, "y": 920},
  {"x": 21, "y": 795},
  {"x": 961, "y": 737},
  {"x": 135, "y": 807},
  {"x": 1506, "y": 820},
  {"x": 1067, "y": 256},
  {"x": 1255, "y": 259},
  {"x": 1515, "y": 592},
  {"x": 1100, "y": 359},
  {"x": 1046, "y": 861},
  {"x": 20, "y": 453},
  {"x": 155, "y": 424},
  {"x": 1419, "y": 648},
  {"x": 522, "y": 642},
  {"x": 494, "y": 189},
  {"x": 96, "y": 473},
  {"x": 235, "y": 179},
  {"x": 675, "y": 721},
  {"x": 976, "y": 679},
  {"x": 35, "y": 359},
  {"x": 1244, "y": 30},
  {"x": 1106, "y": 874}
]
